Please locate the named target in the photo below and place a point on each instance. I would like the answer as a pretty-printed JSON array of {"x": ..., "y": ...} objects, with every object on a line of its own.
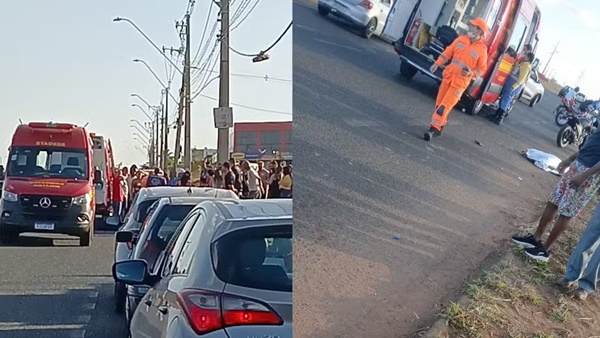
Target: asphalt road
[
  {"x": 387, "y": 226},
  {"x": 51, "y": 287}
]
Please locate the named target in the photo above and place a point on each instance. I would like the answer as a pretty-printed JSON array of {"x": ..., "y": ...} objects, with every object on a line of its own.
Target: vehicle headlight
[
  {"x": 9, "y": 196},
  {"x": 83, "y": 199}
]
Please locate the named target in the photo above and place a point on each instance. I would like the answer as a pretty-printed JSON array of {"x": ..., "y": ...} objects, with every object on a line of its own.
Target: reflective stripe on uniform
[
  {"x": 461, "y": 45},
  {"x": 460, "y": 64},
  {"x": 478, "y": 72},
  {"x": 458, "y": 93},
  {"x": 474, "y": 54},
  {"x": 443, "y": 57}
]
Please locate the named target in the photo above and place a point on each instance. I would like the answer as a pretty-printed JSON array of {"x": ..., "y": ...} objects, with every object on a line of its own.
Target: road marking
[
  {"x": 362, "y": 123},
  {"x": 89, "y": 306},
  {"x": 84, "y": 319},
  {"x": 93, "y": 294},
  {"x": 29, "y": 327},
  {"x": 305, "y": 28},
  {"x": 77, "y": 334},
  {"x": 339, "y": 45}
]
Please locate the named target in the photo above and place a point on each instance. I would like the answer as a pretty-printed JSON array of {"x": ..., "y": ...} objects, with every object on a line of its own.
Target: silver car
[
  {"x": 226, "y": 273},
  {"x": 368, "y": 15},
  {"x": 137, "y": 214}
]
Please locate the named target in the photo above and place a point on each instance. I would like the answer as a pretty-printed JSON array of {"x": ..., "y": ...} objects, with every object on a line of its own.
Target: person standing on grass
[
  {"x": 575, "y": 189},
  {"x": 583, "y": 267}
]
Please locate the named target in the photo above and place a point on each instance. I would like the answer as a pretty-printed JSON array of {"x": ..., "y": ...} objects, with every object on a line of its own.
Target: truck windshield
[{"x": 48, "y": 162}]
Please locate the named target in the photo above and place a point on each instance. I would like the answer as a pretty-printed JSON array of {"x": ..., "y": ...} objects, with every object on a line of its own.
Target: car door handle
[{"x": 163, "y": 309}]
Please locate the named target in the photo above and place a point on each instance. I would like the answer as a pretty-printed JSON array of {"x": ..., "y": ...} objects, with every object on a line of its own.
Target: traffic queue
[{"x": 207, "y": 257}]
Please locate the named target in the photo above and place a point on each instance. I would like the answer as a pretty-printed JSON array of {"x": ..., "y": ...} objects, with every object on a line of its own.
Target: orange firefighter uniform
[{"x": 461, "y": 54}]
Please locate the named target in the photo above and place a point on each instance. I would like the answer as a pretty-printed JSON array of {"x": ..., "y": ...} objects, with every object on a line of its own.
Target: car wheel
[
  {"x": 86, "y": 238},
  {"x": 323, "y": 11},
  {"x": 369, "y": 29},
  {"x": 534, "y": 101},
  {"x": 119, "y": 297},
  {"x": 473, "y": 106},
  {"x": 8, "y": 236},
  {"x": 407, "y": 70}
]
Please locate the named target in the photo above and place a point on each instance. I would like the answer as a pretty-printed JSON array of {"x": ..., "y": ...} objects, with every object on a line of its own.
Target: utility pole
[
  {"x": 224, "y": 110},
  {"x": 162, "y": 134},
  {"x": 157, "y": 137},
  {"x": 177, "y": 152},
  {"x": 550, "y": 58},
  {"x": 165, "y": 149},
  {"x": 187, "y": 144}
]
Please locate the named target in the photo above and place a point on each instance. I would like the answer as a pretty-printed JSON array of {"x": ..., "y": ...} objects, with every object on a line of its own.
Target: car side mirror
[
  {"x": 124, "y": 237},
  {"x": 131, "y": 272},
  {"x": 113, "y": 221}
]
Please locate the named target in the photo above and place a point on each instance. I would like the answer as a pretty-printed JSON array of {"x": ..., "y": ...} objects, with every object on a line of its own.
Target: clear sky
[
  {"x": 575, "y": 26},
  {"x": 66, "y": 61}
]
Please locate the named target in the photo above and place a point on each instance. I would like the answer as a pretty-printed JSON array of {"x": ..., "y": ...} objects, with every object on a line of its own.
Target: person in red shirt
[{"x": 118, "y": 194}]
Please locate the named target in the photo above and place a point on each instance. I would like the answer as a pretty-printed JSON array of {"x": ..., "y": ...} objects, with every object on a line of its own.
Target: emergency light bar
[{"x": 50, "y": 127}]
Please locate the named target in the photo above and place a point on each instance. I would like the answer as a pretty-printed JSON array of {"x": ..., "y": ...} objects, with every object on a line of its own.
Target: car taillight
[
  {"x": 366, "y": 4},
  {"x": 414, "y": 29},
  {"x": 207, "y": 311}
]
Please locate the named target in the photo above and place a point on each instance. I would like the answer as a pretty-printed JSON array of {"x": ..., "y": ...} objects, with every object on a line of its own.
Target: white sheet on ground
[{"x": 544, "y": 161}]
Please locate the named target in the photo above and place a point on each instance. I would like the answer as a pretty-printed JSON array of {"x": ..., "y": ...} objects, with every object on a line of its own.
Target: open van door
[{"x": 397, "y": 20}]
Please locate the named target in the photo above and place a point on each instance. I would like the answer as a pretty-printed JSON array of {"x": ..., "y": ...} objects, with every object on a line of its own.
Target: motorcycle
[
  {"x": 562, "y": 111},
  {"x": 577, "y": 129}
]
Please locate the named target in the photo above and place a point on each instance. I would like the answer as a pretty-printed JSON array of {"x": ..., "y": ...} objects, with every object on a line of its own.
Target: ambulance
[
  {"x": 104, "y": 169},
  {"x": 49, "y": 183},
  {"x": 421, "y": 29}
]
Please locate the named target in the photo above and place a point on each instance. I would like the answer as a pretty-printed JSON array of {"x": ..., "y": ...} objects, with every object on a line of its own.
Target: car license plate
[{"x": 44, "y": 226}]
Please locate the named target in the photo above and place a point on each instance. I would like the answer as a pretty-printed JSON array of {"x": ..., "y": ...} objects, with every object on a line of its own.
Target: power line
[
  {"x": 266, "y": 50},
  {"x": 249, "y": 107},
  {"x": 203, "y": 32},
  {"x": 247, "y": 14}
]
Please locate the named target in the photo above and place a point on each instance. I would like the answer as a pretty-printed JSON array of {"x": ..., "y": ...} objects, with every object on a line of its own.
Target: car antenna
[
  {"x": 21, "y": 121},
  {"x": 86, "y": 125}
]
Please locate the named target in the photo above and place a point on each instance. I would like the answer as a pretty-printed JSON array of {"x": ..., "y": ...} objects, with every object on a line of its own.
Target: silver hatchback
[
  {"x": 226, "y": 272},
  {"x": 369, "y": 16}
]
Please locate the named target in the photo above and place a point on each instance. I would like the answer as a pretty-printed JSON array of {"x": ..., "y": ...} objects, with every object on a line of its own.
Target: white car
[
  {"x": 368, "y": 15},
  {"x": 533, "y": 91}
]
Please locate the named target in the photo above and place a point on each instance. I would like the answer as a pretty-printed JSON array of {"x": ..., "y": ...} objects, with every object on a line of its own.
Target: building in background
[{"x": 262, "y": 141}]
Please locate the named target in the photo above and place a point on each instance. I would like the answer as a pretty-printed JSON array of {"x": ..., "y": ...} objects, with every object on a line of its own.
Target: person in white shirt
[
  {"x": 570, "y": 96},
  {"x": 253, "y": 180}
]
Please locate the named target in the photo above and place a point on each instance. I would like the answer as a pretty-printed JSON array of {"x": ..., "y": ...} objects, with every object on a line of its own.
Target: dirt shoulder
[{"x": 516, "y": 296}]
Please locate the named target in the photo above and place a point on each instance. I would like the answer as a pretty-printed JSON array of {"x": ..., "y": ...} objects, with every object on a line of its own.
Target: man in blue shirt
[
  {"x": 157, "y": 179},
  {"x": 578, "y": 184}
]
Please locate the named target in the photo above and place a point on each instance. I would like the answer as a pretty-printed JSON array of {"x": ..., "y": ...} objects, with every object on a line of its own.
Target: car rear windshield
[{"x": 259, "y": 258}]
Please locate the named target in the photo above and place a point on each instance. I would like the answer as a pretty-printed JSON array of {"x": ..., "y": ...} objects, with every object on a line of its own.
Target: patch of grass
[
  {"x": 517, "y": 298},
  {"x": 560, "y": 315}
]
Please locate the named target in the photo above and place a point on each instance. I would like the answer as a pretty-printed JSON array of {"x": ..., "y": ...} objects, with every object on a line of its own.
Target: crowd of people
[{"x": 248, "y": 181}]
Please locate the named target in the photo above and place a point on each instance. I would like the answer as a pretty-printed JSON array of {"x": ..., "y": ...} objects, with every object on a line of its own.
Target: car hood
[{"x": 47, "y": 186}]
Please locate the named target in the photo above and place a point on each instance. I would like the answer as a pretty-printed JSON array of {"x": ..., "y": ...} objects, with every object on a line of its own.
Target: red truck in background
[
  {"x": 49, "y": 183},
  {"x": 422, "y": 29},
  {"x": 104, "y": 171}
]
